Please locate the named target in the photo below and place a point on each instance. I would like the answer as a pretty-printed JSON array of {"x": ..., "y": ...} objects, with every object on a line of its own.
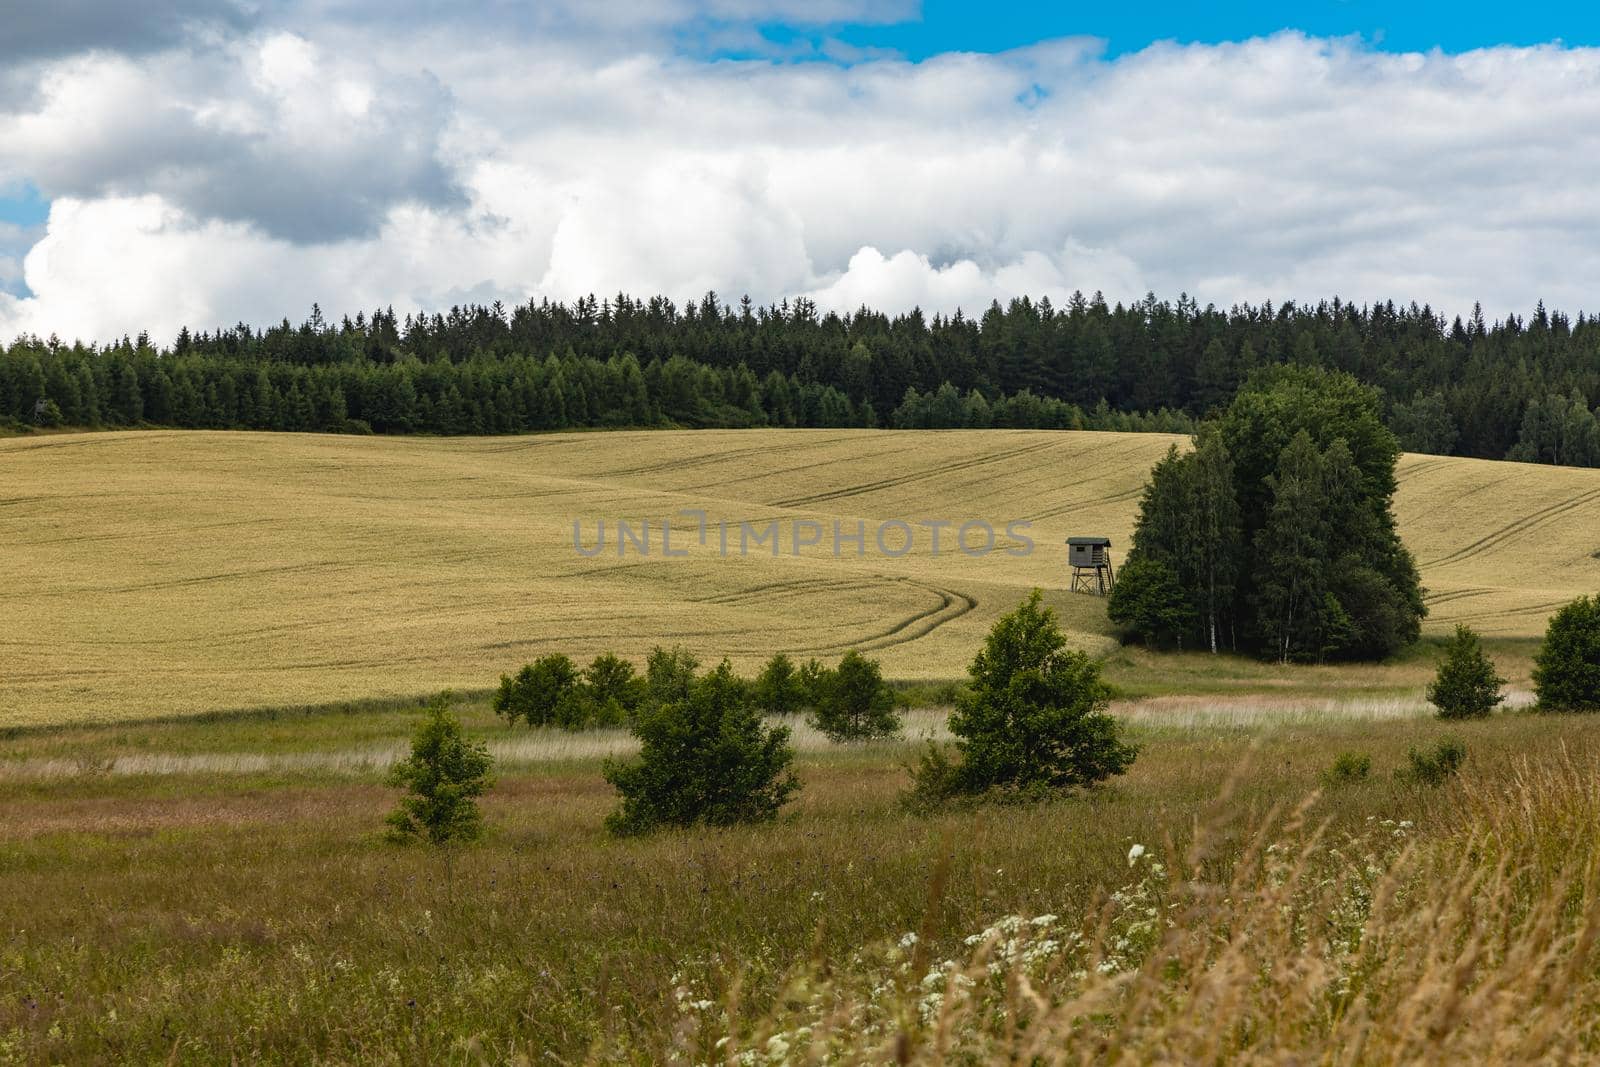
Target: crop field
[{"x": 149, "y": 574}]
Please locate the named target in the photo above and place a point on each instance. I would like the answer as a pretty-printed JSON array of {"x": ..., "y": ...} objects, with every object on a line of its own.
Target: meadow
[
  {"x": 199, "y": 891},
  {"x": 150, "y": 574}
]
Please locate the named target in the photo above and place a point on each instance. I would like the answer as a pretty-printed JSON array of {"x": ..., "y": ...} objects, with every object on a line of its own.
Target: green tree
[
  {"x": 778, "y": 688},
  {"x": 1034, "y": 718},
  {"x": 1566, "y": 673},
  {"x": 1466, "y": 685},
  {"x": 1149, "y": 603},
  {"x": 1291, "y": 553},
  {"x": 705, "y": 759},
  {"x": 442, "y": 778},
  {"x": 669, "y": 674},
  {"x": 613, "y": 692},
  {"x": 856, "y": 704},
  {"x": 543, "y": 693}
]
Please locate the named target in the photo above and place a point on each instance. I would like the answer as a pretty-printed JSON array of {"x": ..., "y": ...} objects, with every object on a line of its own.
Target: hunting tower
[{"x": 1091, "y": 565}]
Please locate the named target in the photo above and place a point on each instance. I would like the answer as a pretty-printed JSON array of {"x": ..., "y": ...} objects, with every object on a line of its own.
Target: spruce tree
[
  {"x": 443, "y": 777},
  {"x": 1466, "y": 685}
]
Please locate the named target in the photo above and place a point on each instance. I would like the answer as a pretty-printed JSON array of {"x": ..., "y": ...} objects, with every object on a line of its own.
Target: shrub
[
  {"x": 1466, "y": 686},
  {"x": 779, "y": 689},
  {"x": 1148, "y": 603},
  {"x": 612, "y": 692},
  {"x": 443, "y": 777},
  {"x": 1566, "y": 673},
  {"x": 669, "y": 674},
  {"x": 857, "y": 704},
  {"x": 1034, "y": 719},
  {"x": 1436, "y": 766},
  {"x": 703, "y": 759},
  {"x": 814, "y": 682},
  {"x": 543, "y": 693},
  {"x": 1348, "y": 767}
]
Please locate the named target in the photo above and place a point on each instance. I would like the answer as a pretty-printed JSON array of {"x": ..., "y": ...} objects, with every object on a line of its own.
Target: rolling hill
[{"x": 155, "y": 573}]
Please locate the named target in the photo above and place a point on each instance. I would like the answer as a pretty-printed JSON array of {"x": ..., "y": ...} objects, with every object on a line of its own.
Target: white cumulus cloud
[{"x": 323, "y": 153}]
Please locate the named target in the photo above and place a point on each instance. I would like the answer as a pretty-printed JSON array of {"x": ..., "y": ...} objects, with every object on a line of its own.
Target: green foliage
[
  {"x": 1300, "y": 471},
  {"x": 1347, "y": 768},
  {"x": 1145, "y": 365},
  {"x": 1034, "y": 721},
  {"x": 1434, "y": 766},
  {"x": 704, "y": 759},
  {"x": 1558, "y": 429},
  {"x": 1425, "y": 424},
  {"x": 543, "y": 693},
  {"x": 669, "y": 674},
  {"x": 814, "y": 681},
  {"x": 779, "y": 689},
  {"x": 1566, "y": 673},
  {"x": 611, "y": 691},
  {"x": 856, "y": 705},
  {"x": 443, "y": 777},
  {"x": 1466, "y": 686},
  {"x": 1148, "y": 602}
]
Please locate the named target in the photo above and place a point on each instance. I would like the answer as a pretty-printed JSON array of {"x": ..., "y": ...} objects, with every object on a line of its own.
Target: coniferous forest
[{"x": 1518, "y": 388}]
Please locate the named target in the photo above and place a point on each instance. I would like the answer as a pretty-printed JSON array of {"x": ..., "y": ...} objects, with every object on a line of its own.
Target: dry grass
[
  {"x": 214, "y": 914},
  {"x": 159, "y": 573}
]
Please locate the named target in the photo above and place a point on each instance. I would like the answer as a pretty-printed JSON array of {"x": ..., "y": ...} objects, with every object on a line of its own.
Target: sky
[{"x": 205, "y": 162}]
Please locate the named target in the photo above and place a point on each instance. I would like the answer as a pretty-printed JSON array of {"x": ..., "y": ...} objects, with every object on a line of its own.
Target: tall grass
[{"x": 1383, "y": 946}]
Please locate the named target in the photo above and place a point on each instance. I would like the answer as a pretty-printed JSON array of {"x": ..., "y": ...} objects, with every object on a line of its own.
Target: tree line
[{"x": 1520, "y": 387}]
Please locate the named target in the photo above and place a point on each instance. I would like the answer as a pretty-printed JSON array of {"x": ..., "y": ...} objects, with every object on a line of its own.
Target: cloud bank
[{"x": 314, "y": 152}]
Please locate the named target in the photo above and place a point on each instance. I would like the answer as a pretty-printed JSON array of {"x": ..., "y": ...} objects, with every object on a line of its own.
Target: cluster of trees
[
  {"x": 849, "y": 702},
  {"x": 1276, "y": 534},
  {"x": 1031, "y": 724},
  {"x": 1464, "y": 386}
]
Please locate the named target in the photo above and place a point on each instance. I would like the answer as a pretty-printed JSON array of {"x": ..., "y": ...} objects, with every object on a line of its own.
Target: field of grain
[{"x": 162, "y": 573}]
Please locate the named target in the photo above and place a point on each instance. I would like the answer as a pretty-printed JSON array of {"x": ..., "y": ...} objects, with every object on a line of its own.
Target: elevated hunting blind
[{"x": 1090, "y": 558}]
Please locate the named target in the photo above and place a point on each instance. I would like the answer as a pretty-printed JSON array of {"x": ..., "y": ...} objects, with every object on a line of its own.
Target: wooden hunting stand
[{"x": 1091, "y": 565}]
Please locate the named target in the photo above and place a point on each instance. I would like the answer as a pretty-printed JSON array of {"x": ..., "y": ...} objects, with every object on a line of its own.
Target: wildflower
[{"x": 1134, "y": 853}]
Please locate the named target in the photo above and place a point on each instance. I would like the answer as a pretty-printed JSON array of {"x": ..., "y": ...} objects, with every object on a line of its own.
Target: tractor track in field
[
  {"x": 1507, "y": 613},
  {"x": 1515, "y": 529},
  {"x": 952, "y": 605},
  {"x": 794, "y": 587},
  {"x": 913, "y": 476},
  {"x": 1435, "y": 599}
]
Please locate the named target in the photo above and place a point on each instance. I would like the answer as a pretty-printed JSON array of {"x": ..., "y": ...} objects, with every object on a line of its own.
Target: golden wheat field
[{"x": 157, "y": 573}]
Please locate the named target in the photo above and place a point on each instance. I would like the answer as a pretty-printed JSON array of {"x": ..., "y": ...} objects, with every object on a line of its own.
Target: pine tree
[
  {"x": 1466, "y": 685},
  {"x": 443, "y": 777}
]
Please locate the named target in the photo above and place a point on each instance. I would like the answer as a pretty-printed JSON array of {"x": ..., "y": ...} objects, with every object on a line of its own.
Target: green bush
[
  {"x": 779, "y": 689},
  {"x": 704, "y": 759},
  {"x": 1034, "y": 720},
  {"x": 814, "y": 682},
  {"x": 1566, "y": 673},
  {"x": 612, "y": 692},
  {"x": 1466, "y": 686},
  {"x": 1348, "y": 767},
  {"x": 1149, "y": 604},
  {"x": 543, "y": 693},
  {"x": 443, "y": 777},
  {"x": 669, "y": 674},
  {"x": 1436, "y": 766},
  {"x": 856, "y": 704}
]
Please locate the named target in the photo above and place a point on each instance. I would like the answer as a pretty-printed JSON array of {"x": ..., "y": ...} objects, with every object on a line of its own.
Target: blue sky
[{"x": 949, "y": 25}]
